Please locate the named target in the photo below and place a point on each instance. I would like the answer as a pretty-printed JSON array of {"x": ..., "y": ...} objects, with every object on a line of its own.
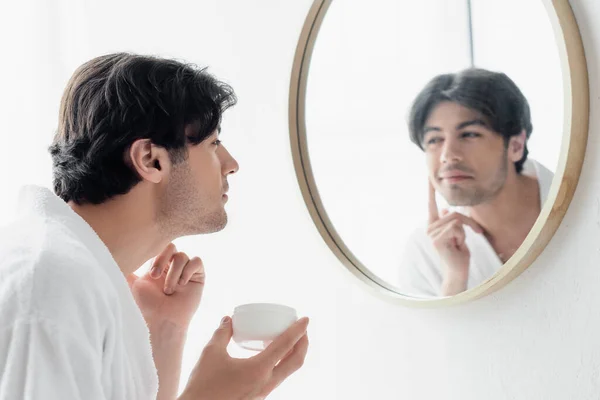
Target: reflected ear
[
  {"x": 516, "y": 146},
  {"x": 149, "y": 161}
]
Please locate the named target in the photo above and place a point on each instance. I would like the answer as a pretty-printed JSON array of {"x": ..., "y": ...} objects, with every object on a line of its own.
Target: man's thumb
[{"x": 222, "y": 335}]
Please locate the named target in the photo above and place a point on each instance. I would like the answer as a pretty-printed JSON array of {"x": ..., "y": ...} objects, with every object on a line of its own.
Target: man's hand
[
  {"x": 171, "y": 290},
  {"x": 168, "y": 296},
  {"x": 217, "y": 376},
  {"x": 448, "y": 236}
]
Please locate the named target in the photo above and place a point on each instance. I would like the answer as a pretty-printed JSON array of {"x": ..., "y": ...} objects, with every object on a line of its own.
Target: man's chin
[
  {"x": 216, "y": 225},
  {"x": 464, "y": 200},
  {"x": 212, "y": 225}
]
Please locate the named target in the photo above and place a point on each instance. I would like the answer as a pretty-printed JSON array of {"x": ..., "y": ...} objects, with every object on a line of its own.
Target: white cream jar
[{"x": 256, "y": 325}]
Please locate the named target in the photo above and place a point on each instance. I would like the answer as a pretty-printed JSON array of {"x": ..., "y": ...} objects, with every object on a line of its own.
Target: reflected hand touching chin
[{"x": 449, "y": 239}]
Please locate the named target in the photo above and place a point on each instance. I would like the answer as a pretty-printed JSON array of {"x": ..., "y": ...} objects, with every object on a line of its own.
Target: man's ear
[
  {"x": 149, "y": 161},
  {"x": 516, "y": 146}
]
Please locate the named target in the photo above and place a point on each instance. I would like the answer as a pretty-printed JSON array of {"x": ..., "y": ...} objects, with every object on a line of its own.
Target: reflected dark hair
[
  {"x": 112, "y": 101},
  {"x": 493, "y": 94}
]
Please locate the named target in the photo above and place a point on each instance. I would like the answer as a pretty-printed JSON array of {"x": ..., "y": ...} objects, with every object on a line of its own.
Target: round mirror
[{"x": 438, "y": 143}]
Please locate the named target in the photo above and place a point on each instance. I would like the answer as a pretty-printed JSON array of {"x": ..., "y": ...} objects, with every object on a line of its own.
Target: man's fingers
[
  {"x": 193, "y": 271},
  {"x": 293, "y": 361},
  {"x": 283, "y": 343},
  {"x": 433, "y": 207},
  {"x": 441, "y": 223},
  {"x": 162, "y": 261},
  {"x": 222, "y": 335},
  {"x": 452, "y": 235},
  {"x": 471, "y": 222},
  {"x": 288, "y": 365},
  {"x": 178, "y": 263},
  {"x": 450, "y": 218}
]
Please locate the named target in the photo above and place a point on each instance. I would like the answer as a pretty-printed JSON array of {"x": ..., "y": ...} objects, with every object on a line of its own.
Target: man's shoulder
[
  {"x": 46, "y": 272},
  {"x": 542, "y": 174},
  {"x": 44, "y": 246},
  {"x": 539, "y": 171}
]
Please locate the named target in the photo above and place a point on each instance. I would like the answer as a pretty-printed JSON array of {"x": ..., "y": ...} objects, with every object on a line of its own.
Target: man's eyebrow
[
  {"x": 430, "y": 128},
  {"x": 478, "y": 122}
]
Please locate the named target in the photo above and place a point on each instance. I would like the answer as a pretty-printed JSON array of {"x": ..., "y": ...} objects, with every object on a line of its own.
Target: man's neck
[
  {"x": 511, "y": 214},
  {"x": 127, "y": 226}
]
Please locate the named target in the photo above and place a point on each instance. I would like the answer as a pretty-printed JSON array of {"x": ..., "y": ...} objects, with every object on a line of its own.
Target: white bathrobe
[
  {"x": 69, "y": 326},
  {"x": 421, "y": 269}
]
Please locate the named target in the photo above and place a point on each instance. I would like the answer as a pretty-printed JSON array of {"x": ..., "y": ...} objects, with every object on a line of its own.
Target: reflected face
[
  {"x": 467, "y": 160},
  {"x": 195, "y": 197}
]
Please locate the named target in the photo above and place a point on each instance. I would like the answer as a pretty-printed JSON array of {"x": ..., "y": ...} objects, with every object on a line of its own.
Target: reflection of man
[
  {"x": 473, "y": 128},
  {"x": 137, "y": 163}
]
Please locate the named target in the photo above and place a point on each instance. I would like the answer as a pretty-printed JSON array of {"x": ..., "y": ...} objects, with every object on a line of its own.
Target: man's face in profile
[
  {"x": 467, "y": 161},
  {"x": 193, "y": 201}
]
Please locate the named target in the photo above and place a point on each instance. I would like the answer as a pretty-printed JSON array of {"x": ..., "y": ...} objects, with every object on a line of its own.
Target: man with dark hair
[
  {"x": 473, "y": 127},
  {"x": 137, "y": 163}
]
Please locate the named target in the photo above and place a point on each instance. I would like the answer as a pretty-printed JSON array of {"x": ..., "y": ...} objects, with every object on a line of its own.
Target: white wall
[{"x": 535, "y": 339}]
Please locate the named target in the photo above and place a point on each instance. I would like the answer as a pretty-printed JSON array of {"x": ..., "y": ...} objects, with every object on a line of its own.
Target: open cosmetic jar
[{"x": 256, "y": 325}]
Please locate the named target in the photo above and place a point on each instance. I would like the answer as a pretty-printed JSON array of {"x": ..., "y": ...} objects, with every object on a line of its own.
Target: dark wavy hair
[
  {"x": 493, "y": 94},
  {"x": 112, "y": 101}
]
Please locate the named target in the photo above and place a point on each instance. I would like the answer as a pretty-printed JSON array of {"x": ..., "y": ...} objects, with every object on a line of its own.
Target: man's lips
[
  {"x": 455, "y": 173},
  {"x": 455, "y": 177}
]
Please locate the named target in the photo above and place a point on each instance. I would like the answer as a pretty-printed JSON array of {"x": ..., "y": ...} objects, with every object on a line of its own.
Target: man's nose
[
  {"x": 451, "y": 152},
  {"x": 230, "y": 164}
]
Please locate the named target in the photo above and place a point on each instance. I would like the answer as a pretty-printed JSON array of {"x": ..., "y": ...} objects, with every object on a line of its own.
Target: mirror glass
[{"x": 433, "y": 131}]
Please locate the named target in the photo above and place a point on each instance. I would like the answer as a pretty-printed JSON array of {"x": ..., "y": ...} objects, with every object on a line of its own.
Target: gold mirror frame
[{"x": 576, "y": 119}]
